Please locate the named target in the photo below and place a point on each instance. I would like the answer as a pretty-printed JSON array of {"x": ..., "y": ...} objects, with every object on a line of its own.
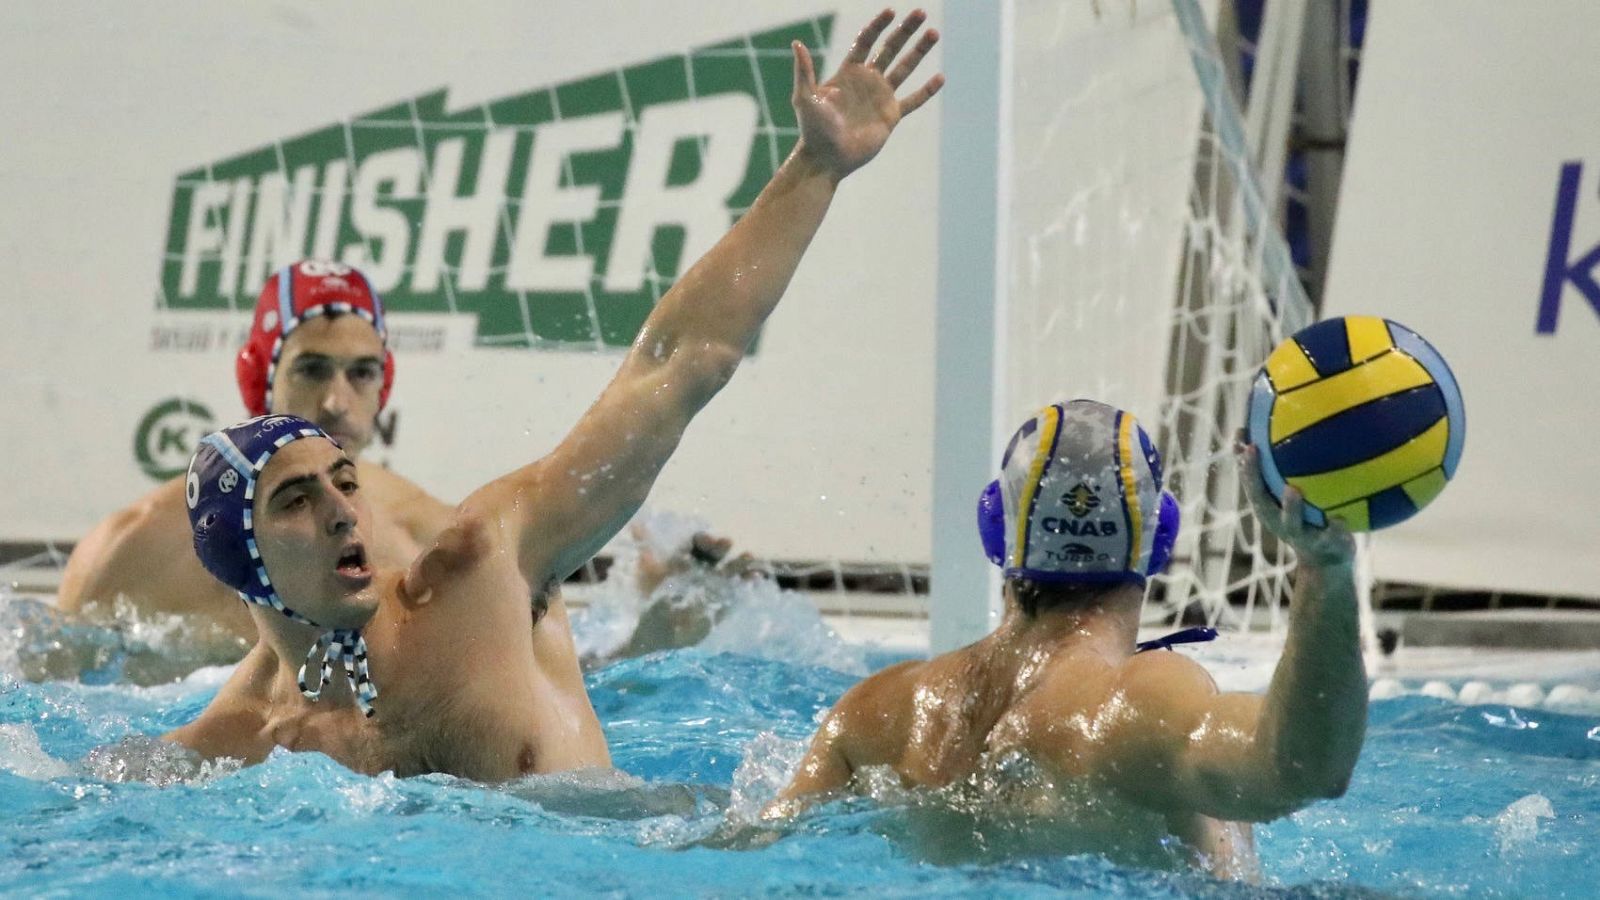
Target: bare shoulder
[
  {"x": 1165, "y": 680},
  {"x": 418, "y": 512},
  {"x": 869, "y": 724},
  {"x": 469, "y": 537},
  {"x": 1090, "y": 713},
  {"x": 144, "y": 544},
  {"x": 161, "y": 513},
  {"x": 234, "y": 723},
  {"x": 385, "y": 484},
  {"x": 1152, "y": 706},
  {"x": 228, "y": 731},
  {"x": 870, "y": 696}
]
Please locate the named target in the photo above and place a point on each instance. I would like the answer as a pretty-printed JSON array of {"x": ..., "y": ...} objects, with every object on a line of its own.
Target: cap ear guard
[
  {"x": 250, "y": 370},
  {"x": 1167, "y": 522},
  {"x": 992, "y": 523},
  {"x": 388, "y": 376},
  {"x": 216, "y": 533}
]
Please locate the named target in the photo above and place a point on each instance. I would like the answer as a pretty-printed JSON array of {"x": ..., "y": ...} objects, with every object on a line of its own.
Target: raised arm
[
  {"x": 1242, "y": 757},
  {"x": 567, "y": 505}
]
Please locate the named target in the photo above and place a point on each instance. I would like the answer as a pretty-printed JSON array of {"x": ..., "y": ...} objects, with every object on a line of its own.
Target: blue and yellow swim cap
[{"x": 1079, "y": 499}]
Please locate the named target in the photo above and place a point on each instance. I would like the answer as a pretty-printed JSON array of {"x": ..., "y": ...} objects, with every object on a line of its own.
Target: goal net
[{"x": 1141, "y": 265}]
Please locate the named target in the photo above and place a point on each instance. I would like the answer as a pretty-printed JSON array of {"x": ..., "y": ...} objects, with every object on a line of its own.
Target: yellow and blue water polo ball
[{"x": 1363, "y": 416}]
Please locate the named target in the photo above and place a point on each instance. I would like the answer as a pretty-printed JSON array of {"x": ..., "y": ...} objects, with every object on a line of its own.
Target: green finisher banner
[
  {"x": 557, "y": 216},
  {"x": 522, "y": 183}
]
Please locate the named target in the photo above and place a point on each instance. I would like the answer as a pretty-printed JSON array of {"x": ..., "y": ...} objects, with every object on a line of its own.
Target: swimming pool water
[{"x": 1448, "y": 800}]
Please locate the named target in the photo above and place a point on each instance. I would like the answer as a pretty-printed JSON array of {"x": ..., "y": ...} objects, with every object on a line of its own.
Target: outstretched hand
[
  {"x": 1328, "y": 546},
  {"x": 846, "y": 120}
]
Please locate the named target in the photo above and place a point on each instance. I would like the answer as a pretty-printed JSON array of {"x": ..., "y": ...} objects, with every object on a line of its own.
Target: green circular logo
[{"x": 167, "y": 436}]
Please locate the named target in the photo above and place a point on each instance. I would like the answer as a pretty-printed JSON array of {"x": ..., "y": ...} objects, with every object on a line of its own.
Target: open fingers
[
  {"x": 909, "y": 104},
  {"x": 897, "y": 39},
  {"x": 868, "y": 37},
  {"x": 805, "y": 72},
  {"x": 914, "y": 58}
]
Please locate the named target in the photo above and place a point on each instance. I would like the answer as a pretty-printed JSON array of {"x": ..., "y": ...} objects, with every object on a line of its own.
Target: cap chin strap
[
  {"x": 348, "y": 648},
  {"x": 342, "y": 646}
]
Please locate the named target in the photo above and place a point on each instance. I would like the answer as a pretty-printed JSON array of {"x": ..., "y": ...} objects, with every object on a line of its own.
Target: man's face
[
  {"x": 310, "y": 520},
  {"x": 331, "y": 372}
]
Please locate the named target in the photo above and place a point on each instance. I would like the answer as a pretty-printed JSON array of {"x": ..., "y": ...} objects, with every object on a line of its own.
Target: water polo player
[
  {"x": 444, "y": 652},
  {"x": 317, "y": 349},
  {"x": 1135, "y": 745}
]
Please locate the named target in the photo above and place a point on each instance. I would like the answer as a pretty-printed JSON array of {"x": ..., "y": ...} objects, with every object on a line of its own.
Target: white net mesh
[
  {"x": 1143, "y": 269},
  {"x": 1238, "y": 296}
]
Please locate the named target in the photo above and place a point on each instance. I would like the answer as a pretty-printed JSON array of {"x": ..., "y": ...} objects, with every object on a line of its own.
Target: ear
[
  {"x": 992, "y": 523},
  {"x": 1167, "y": 521}
]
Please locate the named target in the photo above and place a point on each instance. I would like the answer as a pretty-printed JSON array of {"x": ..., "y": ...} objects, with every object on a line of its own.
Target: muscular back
[{"x": 944, "y": 722}]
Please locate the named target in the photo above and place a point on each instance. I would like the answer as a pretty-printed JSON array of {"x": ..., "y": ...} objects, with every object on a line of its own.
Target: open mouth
[{"x": 353, "y": 562}]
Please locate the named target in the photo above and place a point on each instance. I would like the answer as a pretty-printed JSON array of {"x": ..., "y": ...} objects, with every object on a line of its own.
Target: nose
[
  {"x": 342, "y": 514},
  {"x": 336, "y": 399}
]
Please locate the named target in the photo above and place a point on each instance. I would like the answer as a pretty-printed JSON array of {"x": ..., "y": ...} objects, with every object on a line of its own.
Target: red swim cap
[{"x": 305, "y": 290}]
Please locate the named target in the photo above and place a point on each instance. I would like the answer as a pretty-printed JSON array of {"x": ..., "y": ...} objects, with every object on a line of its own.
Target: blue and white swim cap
[
  {"x": 1079, "y": 499},
  {"x": 220, "y": 488}
]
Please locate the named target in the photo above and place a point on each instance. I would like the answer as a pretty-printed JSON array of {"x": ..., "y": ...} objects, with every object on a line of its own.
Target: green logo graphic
[
  {"x": 557, "y": 216},
  {"x": 168, "y": 434}
]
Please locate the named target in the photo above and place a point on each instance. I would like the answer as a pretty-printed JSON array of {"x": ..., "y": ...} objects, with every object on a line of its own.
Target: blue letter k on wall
[{"x": 1558, "y": 272}]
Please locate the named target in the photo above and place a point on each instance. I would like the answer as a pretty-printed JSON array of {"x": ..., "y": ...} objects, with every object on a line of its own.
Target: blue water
[{"x": 1447, "y": 801}]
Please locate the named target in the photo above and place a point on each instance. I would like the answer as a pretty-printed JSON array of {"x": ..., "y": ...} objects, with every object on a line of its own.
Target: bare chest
[{"x": 462, "y": 691}]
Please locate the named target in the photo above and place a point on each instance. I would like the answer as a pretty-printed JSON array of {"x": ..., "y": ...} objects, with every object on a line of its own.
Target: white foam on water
[
  {"x": 765, "y": 769},
  {"x": 120, "y": 645},
  {"x": 767, "y": 621},
  {"x": 21, "y": 754},
  {"x": 154, "y": 761},
  {"x": 1517, "y": 826},
  {"x": 373, "y": 795}
]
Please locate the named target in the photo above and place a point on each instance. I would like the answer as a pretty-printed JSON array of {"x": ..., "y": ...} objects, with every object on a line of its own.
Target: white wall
[
  {"x": 1465, "y": 115},
  {"x": 821, "y": 446}
]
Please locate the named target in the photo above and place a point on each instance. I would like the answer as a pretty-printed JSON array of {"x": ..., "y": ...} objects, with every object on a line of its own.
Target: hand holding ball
[{"x": 1360, "y": 414}]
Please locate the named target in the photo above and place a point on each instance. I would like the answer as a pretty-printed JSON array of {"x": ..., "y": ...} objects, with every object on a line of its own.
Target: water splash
[
  {"x": 1517, "y": 826},
  {"x": 768, "y": 763},
  {"x": 151, "y": 760},
  {"x": 21, "y": 754},
  {"x": 716, "y": 609},
  {"x": 119, "y": 644},
  {"x": 783, "y": 626}
]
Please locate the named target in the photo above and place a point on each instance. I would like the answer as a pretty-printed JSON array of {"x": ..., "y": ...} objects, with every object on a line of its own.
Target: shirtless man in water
[
  {"x": 444, "y": 669},
  {"x": 317, "y": 350},
  {"x": 1143, "y": 741}
]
